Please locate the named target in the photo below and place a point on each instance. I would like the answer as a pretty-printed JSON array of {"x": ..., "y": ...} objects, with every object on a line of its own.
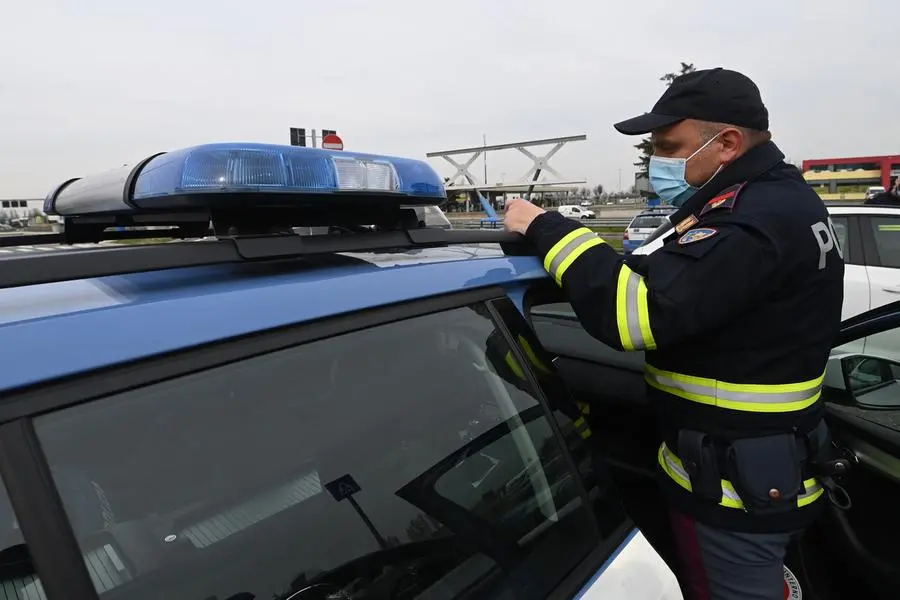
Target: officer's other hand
[{"x": 520, "y": 214}]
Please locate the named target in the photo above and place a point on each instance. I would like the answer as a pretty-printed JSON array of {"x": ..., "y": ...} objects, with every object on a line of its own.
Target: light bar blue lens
[{"x": 263, "y": 168}]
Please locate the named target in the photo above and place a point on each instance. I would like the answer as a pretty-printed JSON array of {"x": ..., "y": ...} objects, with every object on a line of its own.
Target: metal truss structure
[{"x": 464, "y": 180}]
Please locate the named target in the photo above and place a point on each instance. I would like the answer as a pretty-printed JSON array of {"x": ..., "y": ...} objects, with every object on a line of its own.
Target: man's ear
[{"x": 733, "y": 142}]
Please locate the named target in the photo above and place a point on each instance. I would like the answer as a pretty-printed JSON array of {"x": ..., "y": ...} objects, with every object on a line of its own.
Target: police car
[
  {"x": 251, "y": 409},
  {"x": 642, "y": 225},
  {"x": 380, "y": 409}
]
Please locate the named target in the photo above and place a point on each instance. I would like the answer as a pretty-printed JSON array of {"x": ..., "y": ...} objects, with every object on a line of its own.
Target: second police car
[{"x": 251, "y": 413}]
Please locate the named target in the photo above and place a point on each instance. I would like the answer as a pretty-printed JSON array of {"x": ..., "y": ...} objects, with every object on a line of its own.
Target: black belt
[{"x": 766, "y": 470}]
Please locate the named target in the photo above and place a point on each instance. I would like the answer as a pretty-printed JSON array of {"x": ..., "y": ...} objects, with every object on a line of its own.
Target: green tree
[
  {"x": 645, "y": 147},
  {"x": 598, "y": 190}
]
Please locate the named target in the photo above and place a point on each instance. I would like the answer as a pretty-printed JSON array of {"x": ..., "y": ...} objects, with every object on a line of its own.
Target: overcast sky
[{"x": 87, "y": 85}]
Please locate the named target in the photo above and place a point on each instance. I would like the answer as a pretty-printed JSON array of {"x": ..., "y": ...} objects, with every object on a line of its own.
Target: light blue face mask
[{"x": 667, "y": 177}]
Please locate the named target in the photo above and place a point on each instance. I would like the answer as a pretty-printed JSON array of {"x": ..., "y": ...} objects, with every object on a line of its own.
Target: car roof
[
  {"x": 56, "y": 329},
  {"x": 658, "y": 212},
  {"x": 862, "y": 209}
]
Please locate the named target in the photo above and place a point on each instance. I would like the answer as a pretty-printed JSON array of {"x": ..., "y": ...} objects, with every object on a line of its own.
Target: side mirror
[{"x": 873, "y": 382}]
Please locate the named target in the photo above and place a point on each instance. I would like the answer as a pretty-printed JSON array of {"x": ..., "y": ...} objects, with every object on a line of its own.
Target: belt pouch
[
  {"x": 698, "y": 456},
  {"x": 765, "y": 472}
]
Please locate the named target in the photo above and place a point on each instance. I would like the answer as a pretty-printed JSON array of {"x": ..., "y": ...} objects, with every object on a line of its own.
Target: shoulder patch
[
  {"x": 695, "y": 235},
  {"x": 726, "y": 199},
  {"x": 686, "y": 224}
]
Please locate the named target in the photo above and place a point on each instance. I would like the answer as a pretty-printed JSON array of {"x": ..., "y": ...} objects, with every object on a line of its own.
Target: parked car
[
  {"x": 869, "y": 237},
  {"x": 642, "y": 226},
  {"x": 387, "y": 411},
  {"x": 873, "y": 191}
]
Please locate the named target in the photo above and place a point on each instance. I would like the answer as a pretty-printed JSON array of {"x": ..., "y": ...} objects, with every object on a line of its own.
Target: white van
[{"x": 576, "y": 212}]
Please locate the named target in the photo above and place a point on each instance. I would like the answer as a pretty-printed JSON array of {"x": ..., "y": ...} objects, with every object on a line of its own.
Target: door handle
[{"x": 892, "y": 290}]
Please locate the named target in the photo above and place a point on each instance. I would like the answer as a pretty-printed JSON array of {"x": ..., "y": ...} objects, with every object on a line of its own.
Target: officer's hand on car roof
[{"x": 519, "y": 215}]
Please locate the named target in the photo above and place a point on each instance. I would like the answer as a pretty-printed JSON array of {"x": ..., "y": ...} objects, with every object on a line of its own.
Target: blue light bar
[{"x": 251, "y": 176}]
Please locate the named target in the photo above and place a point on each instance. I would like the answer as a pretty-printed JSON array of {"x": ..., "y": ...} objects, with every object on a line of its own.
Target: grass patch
[{"x": 612, "y": 235}]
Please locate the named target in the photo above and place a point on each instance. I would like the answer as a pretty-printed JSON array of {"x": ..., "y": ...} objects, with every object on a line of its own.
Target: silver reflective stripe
[
  {"x": 673, "y": 464},
  {"x": 631, "y": 311},
  {"x": 217, "y": 528},
  {"x": 715, "y": 392},
  {"x": 732, "y": 495},
  {"x": 566, "y": 250}
]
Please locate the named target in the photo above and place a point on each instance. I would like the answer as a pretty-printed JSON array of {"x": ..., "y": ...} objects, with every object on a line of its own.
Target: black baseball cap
[{"x": 716, "y": 95}]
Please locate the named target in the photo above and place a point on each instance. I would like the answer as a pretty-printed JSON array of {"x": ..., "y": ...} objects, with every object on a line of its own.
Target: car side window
[
  {"x": 886, "y": 232},
  {"x": 397, "y": 461},
  {"x": 868, "y": 377},
  {"x": 573, "y": 416},
  {"x": 841, "y": 229}
]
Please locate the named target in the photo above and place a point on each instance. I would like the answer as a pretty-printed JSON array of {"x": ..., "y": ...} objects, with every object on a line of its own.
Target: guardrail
[{"x": 602, "y": 222}]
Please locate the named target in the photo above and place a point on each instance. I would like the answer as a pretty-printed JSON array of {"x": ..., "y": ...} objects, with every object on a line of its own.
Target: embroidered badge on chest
[{"x": 695, "y": 235}]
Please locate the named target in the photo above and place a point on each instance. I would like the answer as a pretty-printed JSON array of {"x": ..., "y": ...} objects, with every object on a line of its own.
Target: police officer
[{"x": 736, "y": 309}]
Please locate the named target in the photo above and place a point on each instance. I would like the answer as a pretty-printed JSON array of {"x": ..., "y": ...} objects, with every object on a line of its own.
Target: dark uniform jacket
[{"x": 737, "y": 312}]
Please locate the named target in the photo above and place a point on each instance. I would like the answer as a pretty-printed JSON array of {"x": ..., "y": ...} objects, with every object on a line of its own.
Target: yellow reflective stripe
[
  {"x": 584, "y": 407},
  {"x": 633, "y": 311},
  {"x": 584, "y": 247},
  {"x": 752, "y": 397},
  {"x": 570, "y": 247},
  {"x": 673, "y": 467},
  {"x": 513, "y": 364},
  {"x": 532, "y": 357}
]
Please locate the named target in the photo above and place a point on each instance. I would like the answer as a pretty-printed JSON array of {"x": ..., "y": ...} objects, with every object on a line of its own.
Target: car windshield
[{"x": 647, "y": 222}]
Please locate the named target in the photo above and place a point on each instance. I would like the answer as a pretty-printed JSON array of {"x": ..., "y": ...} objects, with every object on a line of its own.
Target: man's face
[{"x": 681, "y": 141}]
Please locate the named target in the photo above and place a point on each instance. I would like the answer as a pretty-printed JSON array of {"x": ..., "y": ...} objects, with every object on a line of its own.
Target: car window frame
[
  {"x": 505, "y": 312},
  {"x": 33, "y": 494}
]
